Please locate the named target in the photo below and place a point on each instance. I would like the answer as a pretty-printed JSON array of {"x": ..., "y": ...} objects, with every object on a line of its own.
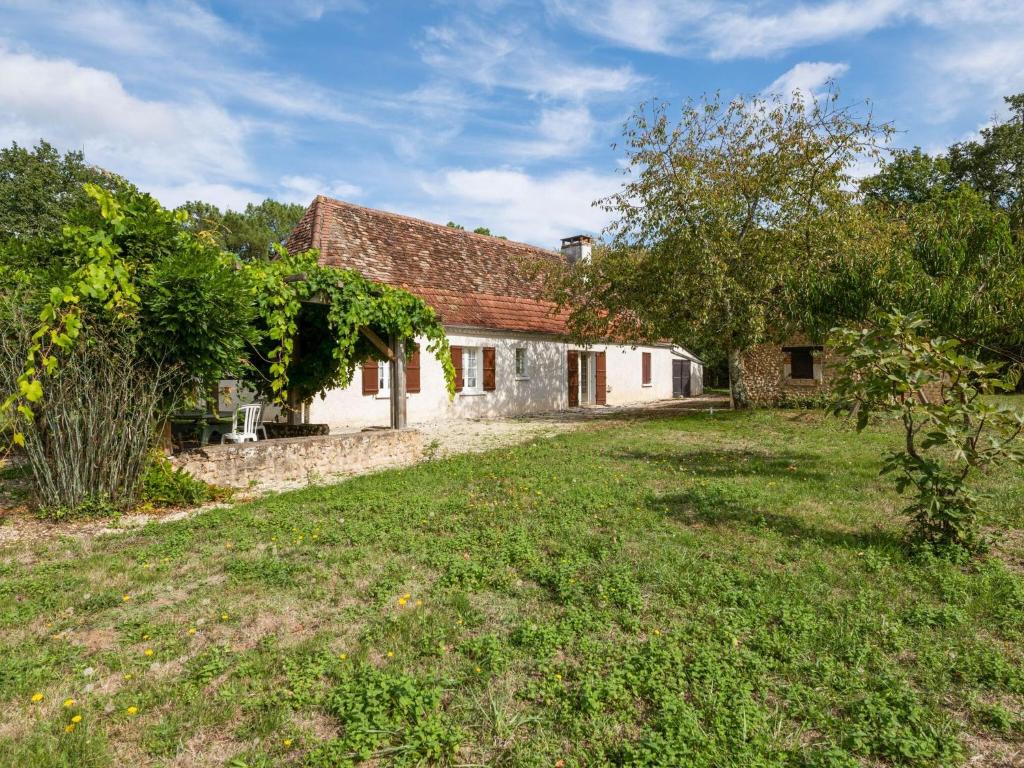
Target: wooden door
[
  {"x": 574, "y": 378},
  {"x": 680, "y": 378},
  {"x": 601, "y": 379}
]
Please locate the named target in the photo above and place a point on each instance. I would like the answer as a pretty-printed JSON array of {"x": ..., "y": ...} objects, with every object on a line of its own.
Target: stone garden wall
[{"x": 292, "y": 462}]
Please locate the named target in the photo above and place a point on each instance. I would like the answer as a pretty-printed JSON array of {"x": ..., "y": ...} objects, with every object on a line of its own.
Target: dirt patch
[{"x": 93, "y": 640}]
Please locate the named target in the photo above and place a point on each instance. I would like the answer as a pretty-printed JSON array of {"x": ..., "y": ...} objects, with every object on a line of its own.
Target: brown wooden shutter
[
  {"x": 601, "y": 379},
  {"x": 646, "y": 368},
  {"x": 412, "y": 372},
  {"x": 457, "y": 362},
  {"x": 490, "y": 364},
  {"x": 573, "y": 362},
  {"x": 370, "y": 377}
]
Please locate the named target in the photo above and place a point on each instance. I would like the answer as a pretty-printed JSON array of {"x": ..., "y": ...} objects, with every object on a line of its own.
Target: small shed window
[
  {"x": 801, "y": 362},
  {"x": 645, "y": 369}
]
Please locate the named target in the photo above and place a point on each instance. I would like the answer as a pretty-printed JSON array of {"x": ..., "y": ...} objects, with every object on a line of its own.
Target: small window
[
  {"x": 521, "y": 369},
  {"x": 383, "y": 377},
  {"x": 471, "y": 369},
  {"x": 801, "y": 363},
  {"x": 646, "y": 369}
]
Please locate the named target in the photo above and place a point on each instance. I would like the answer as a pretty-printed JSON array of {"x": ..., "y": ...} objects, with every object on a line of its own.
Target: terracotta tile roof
[{"x": 470, "y": 279}]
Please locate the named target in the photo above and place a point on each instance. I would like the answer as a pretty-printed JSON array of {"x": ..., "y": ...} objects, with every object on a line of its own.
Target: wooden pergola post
[
  {"x": 393, "y": 351},
  {"x": 398, "y": 416}
]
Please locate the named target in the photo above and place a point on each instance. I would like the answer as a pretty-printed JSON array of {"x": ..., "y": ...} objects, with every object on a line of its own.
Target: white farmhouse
[{"x": 509, "y": 345}]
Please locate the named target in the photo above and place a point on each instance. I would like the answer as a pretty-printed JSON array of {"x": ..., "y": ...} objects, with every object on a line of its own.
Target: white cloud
[
  {"x": 513, "y": 58},
  {"x": 646, "y": 25},
  {"x": 152, "y": 29},
  {"x": 560, "y": 132},
  {"x": 224, "y": 196},
  {"x": 741, "y": 34},
  {"x": 302, "y": 189},
  {"x": 750, "y": 29},
  {"x": 521, "y": 206},
  {"x": 158, "y": 143},
  {"x": 806, "y": 77}
]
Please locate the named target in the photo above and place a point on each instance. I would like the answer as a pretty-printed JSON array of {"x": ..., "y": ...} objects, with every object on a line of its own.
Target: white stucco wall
[{"x": 545, "y": 387}]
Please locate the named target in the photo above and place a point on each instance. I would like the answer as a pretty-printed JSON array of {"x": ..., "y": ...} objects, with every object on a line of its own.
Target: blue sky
[{"x": 495, "y": 112}]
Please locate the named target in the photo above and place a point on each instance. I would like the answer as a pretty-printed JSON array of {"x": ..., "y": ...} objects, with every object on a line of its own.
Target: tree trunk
[
  {"x": 296, "y": 411},
  {"x": 738, "y": 397}
]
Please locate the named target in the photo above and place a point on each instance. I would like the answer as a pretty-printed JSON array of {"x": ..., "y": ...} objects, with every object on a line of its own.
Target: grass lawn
[{"x": 695, "y": 590}]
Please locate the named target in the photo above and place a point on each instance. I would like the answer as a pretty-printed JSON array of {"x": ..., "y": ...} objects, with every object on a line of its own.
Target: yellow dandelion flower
[
  {"x": 406, "y": 596},
  {"x": 132, "y": 710},
  {"x": 402, "y": 601},
  {"x": 69, "y": 728},
  {"x": 558, "y": 676},
  {"x": 419, "y": 603},
  {"x": 128, "y": 676},
  {"x": 68, "y": 703},
  {"x": 286, "y": 742},
  {"x": 391, "y": 654},
  {"x": 125, "y": 598},
  {"x": 191, "y": 630},
  {"x": 342, "y": 656},
  {"x": 223, "y": 617},
  {"x": 477, "y": 670},
  {"x": 36, "y": 698},
  {"x": 145, "y": 637},
  {"x": 657, "y": 632},
  {"x": 148, "y": 651},
  {"x": 76, "y": 719}
]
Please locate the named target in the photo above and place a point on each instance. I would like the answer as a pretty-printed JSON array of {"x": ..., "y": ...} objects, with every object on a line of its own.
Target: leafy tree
[
  {"x": 948, "y": 255},
  {"x": 995, "y": 165},
  {"x": 909, "y": 177},
  {"x": 478, "y": 230},
  {"x": 719, "y": 214},
  {"x": 895, "y": 367},
  {"x": 250, "y": 234},
  {"x": 39, "y": 188}
]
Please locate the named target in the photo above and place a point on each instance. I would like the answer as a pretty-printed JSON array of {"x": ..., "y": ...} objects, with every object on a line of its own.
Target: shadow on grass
[
  {"x": 716, "y": 502},
  {"x": 706, "y": 508},
  {"x": 792, "y": 465}
]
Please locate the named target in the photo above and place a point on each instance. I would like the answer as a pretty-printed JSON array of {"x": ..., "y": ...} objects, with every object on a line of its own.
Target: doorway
[
  {"x": 680, "y": 378},
  {"x": 583, "y": 379}
]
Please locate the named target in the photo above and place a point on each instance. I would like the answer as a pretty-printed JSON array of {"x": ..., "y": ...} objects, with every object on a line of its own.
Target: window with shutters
[
  {"x": 522, "y": 372},
  {"x": 471, "y": 378},
  {"x": 645, "y": 369}
]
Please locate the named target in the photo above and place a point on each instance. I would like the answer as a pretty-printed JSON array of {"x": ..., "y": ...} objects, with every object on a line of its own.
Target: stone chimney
[{"x": 577, "y": 248}]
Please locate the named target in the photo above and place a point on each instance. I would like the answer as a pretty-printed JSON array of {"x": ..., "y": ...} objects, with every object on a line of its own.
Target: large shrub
[
  {"x": 951, "y": 429},
  {"x": 87, "y": 446}
]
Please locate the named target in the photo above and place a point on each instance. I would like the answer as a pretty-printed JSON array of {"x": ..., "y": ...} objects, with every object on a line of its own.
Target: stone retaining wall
[
  {"x": 272, "y": 464},
  {"x": 278, "y": 431}
]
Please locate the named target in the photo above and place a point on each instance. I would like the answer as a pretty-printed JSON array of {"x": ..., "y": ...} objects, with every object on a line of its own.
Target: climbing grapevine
[{"x": 354, "y": 303}]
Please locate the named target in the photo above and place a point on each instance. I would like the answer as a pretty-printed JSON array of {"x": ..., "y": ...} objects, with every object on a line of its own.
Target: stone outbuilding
[{"x": 779, "y": 374}]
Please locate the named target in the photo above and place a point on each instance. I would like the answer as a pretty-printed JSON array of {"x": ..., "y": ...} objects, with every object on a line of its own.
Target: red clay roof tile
[{"x": 470, "y": 279}]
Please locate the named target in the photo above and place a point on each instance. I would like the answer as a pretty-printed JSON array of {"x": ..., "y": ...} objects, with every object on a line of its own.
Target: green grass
[{"x": 726, "y": 590}]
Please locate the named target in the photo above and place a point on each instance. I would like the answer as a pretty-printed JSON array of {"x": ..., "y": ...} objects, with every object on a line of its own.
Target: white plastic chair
[{"x": 250, "y": 425}]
